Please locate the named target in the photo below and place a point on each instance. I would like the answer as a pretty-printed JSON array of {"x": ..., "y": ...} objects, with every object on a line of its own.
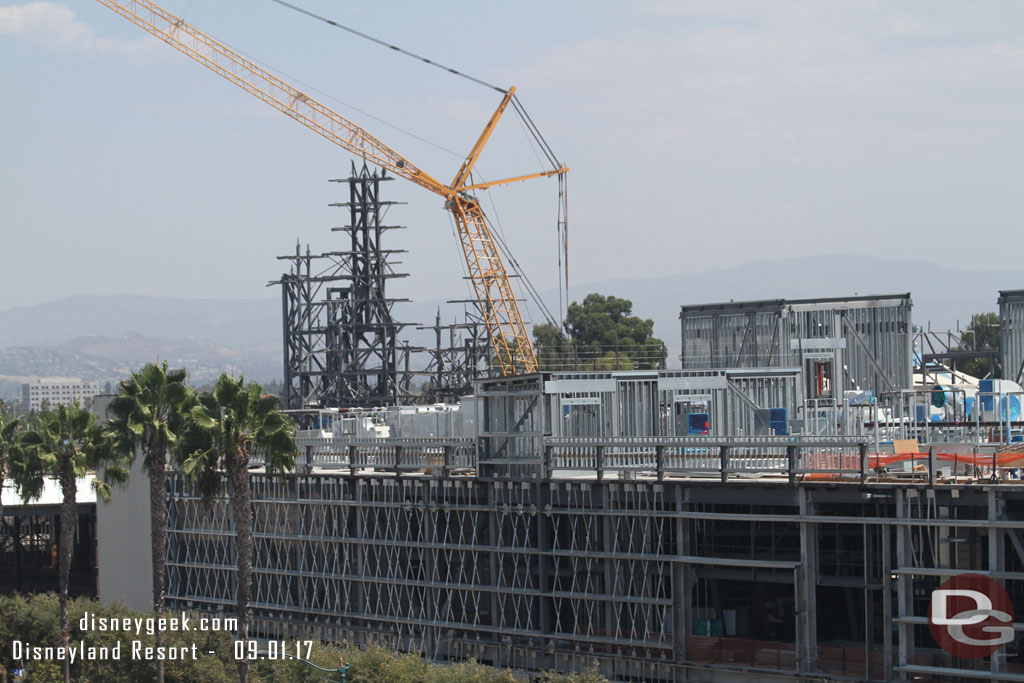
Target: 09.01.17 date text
[{"x": 273, "y": 649}]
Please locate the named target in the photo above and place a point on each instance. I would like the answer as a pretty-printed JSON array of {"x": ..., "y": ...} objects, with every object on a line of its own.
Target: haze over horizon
[{"x": 943, "y": 298}]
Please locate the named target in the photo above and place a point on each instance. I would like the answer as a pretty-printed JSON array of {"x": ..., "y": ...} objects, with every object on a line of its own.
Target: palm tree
[
  {"x": 65, "y": 443},
  {"x": 9, "y": 448},
  {"x": 226, "y": 428},
  {"x": 145, "y": 418}
]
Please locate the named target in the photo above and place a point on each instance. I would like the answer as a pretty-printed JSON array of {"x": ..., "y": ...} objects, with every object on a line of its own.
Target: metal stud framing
[
  {"x": 1011, "y": 330},
  {"x": 635, "y": 576},
  {"x": 867, "y": 338}
]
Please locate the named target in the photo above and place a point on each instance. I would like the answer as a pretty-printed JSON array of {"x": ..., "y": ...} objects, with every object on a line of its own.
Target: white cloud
[
  {"x": 55, "y": 26},
  {"x": 740, "y": 94}
]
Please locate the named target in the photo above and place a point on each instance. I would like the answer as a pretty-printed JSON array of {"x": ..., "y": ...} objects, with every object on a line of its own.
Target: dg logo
[{"x": 970, "y": 616}]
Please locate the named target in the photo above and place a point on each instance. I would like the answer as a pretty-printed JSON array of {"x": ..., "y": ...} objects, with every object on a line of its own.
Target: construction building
[
  {"x": 730, "y": 520},
  {"x": 860, "y": 343},
  {"x": 1011, "y": 334},
  {"x": 653, "y": 556},
  {"x": 673, "y": 525}
]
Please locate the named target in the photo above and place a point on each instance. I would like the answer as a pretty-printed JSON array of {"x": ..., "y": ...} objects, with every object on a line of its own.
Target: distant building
[{"x": 56, "y": 391}]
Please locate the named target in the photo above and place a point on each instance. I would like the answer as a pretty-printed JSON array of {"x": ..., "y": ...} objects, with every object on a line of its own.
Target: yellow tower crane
[{"x": 512, "y": 347}]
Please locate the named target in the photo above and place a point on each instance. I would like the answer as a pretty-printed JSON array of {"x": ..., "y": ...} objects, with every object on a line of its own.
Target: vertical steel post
[
  {"x": 886, "y": 532},
  {"x": 806, "y": 580},
  {"x": 996, "y": 563},
  {"x": 904, "y": 589},
  {"x": 545, "y": 547},
  {"x": 862, "y": 451},
  {"x": 931, "y": 465}
]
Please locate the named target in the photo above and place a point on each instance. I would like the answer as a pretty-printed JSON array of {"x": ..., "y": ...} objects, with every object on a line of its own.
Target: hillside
[
  {"x": 87, "y": 336},
  {"x": 108, "y": 359}
]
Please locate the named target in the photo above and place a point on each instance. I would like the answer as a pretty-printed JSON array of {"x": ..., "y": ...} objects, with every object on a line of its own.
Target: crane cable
[
  {"x": 499, "y": 240},
  {"x": 516, "y": 104},
  {"x": 388, "y": 45},
  {"x": 327, "y": 95},
  {"x": 531, "y": 128},
  {"x": 548, "y": 152}
]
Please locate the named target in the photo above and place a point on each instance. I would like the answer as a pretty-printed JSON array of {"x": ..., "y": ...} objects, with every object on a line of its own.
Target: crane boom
[{"x": 513, "y": 350}]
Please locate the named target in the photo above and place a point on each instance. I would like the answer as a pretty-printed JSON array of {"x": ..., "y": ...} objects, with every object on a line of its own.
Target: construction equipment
[{"x": 513, "y": 350}]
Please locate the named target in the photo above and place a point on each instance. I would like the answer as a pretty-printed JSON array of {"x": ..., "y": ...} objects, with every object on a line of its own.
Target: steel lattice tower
[{"x": 340, "y": 335}]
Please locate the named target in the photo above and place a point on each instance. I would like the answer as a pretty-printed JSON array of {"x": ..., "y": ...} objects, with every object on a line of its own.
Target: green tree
[
  {"x": 982, "y": 334},
  {"x": 225, "y": 429},
  {"x": 554, "y": 349},
  {"x": 9, "y": 448},
  {"x": 600, "y": 333},
  {"x": 146, "y": 417},
  {"x": 33, "y": 619},
  {"x": 65, "y": 443}
]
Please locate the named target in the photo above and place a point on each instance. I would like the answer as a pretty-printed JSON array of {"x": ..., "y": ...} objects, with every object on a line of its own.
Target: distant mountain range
[
  {"x": 105, "y": 337},
  {"x": 233, "y": 323}
]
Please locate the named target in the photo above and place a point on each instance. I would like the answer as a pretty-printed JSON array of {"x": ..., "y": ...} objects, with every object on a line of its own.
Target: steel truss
[
  {"x": 460, "y": 355},
  {"x": 936, "y": 355},
  {"x": 649, "y": 580}
]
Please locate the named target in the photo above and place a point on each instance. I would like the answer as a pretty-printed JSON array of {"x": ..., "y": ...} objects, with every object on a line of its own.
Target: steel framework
[
  {"x": 859, "y": 342},
  {"x": 340, "y": 335},
  {"x": 936, "y": 355},
  {"x": 650, "y": 580},
  {"x": 1011, "y": 331},
  {"x": 653, "y": 557},
  {"x": 460, "y": 355}
]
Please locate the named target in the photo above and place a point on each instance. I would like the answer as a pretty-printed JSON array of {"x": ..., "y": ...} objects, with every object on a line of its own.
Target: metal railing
[
  {"x": 725, "y": 458},
  {"x": 445, "y": 454}
]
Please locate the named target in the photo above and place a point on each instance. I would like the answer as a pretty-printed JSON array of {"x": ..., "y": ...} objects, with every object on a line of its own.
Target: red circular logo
[{"x": 970, "y": 616}]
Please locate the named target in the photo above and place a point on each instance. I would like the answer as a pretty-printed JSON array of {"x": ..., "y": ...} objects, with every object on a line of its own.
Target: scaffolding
[
  {"x": 1011, "y": 334},
  {"x": 460, "y": 355},
  {"x": 341, "y": 344}
]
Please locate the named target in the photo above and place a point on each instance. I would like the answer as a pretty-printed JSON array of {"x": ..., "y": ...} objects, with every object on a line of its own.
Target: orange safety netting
[
  {"x": 849, "y": 463},
  {"x": 1001, "y": 460}
]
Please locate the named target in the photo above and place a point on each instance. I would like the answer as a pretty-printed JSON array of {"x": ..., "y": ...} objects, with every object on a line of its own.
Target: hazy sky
[{"x": 700, "y": 134}]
